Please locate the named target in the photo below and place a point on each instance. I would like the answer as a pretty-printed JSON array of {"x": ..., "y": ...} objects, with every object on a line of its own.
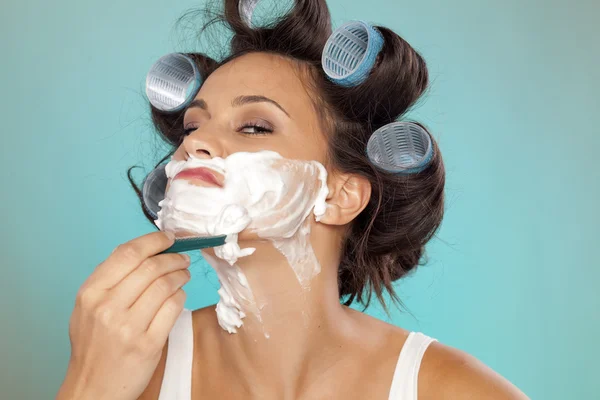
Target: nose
[{"x": 203, "y": 145}]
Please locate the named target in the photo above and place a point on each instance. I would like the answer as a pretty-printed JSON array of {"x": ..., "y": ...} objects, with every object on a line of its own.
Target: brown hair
[{"x": 386, "y": 241}]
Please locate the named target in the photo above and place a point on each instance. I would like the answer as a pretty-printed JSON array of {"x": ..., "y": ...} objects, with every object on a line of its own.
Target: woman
[{"x": 131, "y": 337}]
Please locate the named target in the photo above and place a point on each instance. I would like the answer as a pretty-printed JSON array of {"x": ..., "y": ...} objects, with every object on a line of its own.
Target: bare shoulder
[{"x": 450, "y": 373}]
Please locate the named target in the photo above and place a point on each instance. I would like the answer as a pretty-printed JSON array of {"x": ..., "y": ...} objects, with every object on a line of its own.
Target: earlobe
[{"x": 348, "y": 196}]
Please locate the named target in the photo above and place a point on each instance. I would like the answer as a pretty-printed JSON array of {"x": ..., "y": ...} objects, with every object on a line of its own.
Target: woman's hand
[{"x": 122, "y": 318}]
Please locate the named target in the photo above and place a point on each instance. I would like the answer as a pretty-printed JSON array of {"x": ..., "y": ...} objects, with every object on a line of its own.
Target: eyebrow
[
  {"x": 198, "y": 103},
  {"x": 238, "y": 102},
  {"x": 242, "y": 100}
]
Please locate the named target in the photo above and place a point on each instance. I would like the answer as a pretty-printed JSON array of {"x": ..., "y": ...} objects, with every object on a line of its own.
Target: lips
[{"x": 203, "y": 174}]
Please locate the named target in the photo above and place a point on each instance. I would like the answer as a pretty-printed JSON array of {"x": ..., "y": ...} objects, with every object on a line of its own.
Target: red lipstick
[{"x": 201, "y": 173}]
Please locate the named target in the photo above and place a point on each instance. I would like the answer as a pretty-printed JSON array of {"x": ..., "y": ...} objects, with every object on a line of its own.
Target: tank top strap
[
  {"x": 404, "y": 383},
  {"x": 177, "y": 379}
]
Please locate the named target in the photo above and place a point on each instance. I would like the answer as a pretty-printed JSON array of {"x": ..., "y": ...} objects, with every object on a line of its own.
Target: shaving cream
[{"x": 263, "y": 193}]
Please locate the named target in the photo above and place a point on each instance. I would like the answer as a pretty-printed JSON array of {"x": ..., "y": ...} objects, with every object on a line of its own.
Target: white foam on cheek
[
  {"x": 263, "y": 193},
  {"x": 291, "y": 234},
  {"x": 206, "y": 211}
]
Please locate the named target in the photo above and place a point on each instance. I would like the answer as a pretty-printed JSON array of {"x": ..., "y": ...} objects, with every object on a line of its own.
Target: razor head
[
  {"x": 173, "y": 82},
  {"x": 400, "y": 147}
]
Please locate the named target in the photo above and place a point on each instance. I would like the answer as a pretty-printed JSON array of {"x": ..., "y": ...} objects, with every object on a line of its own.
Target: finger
[
  {"x": 143, "y": 311},
  {"x": 164, "y": 320},
  {"x": 133, "y": 285},
  {"x": 126, "y": 257}
]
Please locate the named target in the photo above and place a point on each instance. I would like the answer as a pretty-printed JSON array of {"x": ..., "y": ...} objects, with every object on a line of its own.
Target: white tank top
[{"x": 177, "y": 379}]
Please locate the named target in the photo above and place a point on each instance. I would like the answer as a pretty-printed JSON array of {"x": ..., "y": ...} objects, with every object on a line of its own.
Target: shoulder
[{"x": 450, "y": 373}]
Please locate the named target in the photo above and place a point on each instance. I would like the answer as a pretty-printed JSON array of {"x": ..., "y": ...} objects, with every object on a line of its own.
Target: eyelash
[{"x": 261, "y": 129}]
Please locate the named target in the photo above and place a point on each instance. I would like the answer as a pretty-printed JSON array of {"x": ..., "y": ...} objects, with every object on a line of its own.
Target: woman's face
[{"x": 255, "y": 102}]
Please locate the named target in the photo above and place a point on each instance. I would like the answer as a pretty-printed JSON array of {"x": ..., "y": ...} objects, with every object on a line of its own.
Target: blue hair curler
[
  {"x": 173, "y": 82},
  {"x": 153, "y": 191},
  {"x": 350, "y": 53},
  {"x": 400, "y": 147}
]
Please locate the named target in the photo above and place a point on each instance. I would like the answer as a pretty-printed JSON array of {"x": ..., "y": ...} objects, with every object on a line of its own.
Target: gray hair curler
[
  {"x": 400, "y": 147},
  {"x": 350, "y": 53},
  {"x": 153, "y": 190},
  {"x": 173, "y": 82}
]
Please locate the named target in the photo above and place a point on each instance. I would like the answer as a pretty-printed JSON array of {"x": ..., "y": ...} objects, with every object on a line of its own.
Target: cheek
[
  {"x": 303, "y": 150},
  {"x": 312, "y": 147},
  {"x": 287, "y": 203}
]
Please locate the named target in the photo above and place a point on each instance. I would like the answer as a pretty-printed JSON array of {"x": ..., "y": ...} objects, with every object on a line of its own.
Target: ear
[{"x": 348, "y": 195}]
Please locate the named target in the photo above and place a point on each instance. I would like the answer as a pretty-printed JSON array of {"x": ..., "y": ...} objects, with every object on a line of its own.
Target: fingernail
[
  {"x": 187, "y": 257},
  {"x": 170, "y": 235}
]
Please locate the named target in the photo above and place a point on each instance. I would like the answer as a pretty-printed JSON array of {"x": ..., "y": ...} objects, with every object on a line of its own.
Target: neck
[{"x": 286, "y": 324}]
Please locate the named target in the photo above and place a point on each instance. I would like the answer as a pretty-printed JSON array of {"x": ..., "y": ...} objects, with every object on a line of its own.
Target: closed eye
[
  {"x": 255, "y": 129},
  {"x": 248, "y": 129},
  {"x": 259, "y": 127}
]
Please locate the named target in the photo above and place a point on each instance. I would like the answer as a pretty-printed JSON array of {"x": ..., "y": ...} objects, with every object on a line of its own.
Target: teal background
[{"x": 513, "y": 274}]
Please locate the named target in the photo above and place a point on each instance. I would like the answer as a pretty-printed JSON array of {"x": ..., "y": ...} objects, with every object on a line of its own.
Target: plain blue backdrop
[{"x": 513, "y": 273}]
